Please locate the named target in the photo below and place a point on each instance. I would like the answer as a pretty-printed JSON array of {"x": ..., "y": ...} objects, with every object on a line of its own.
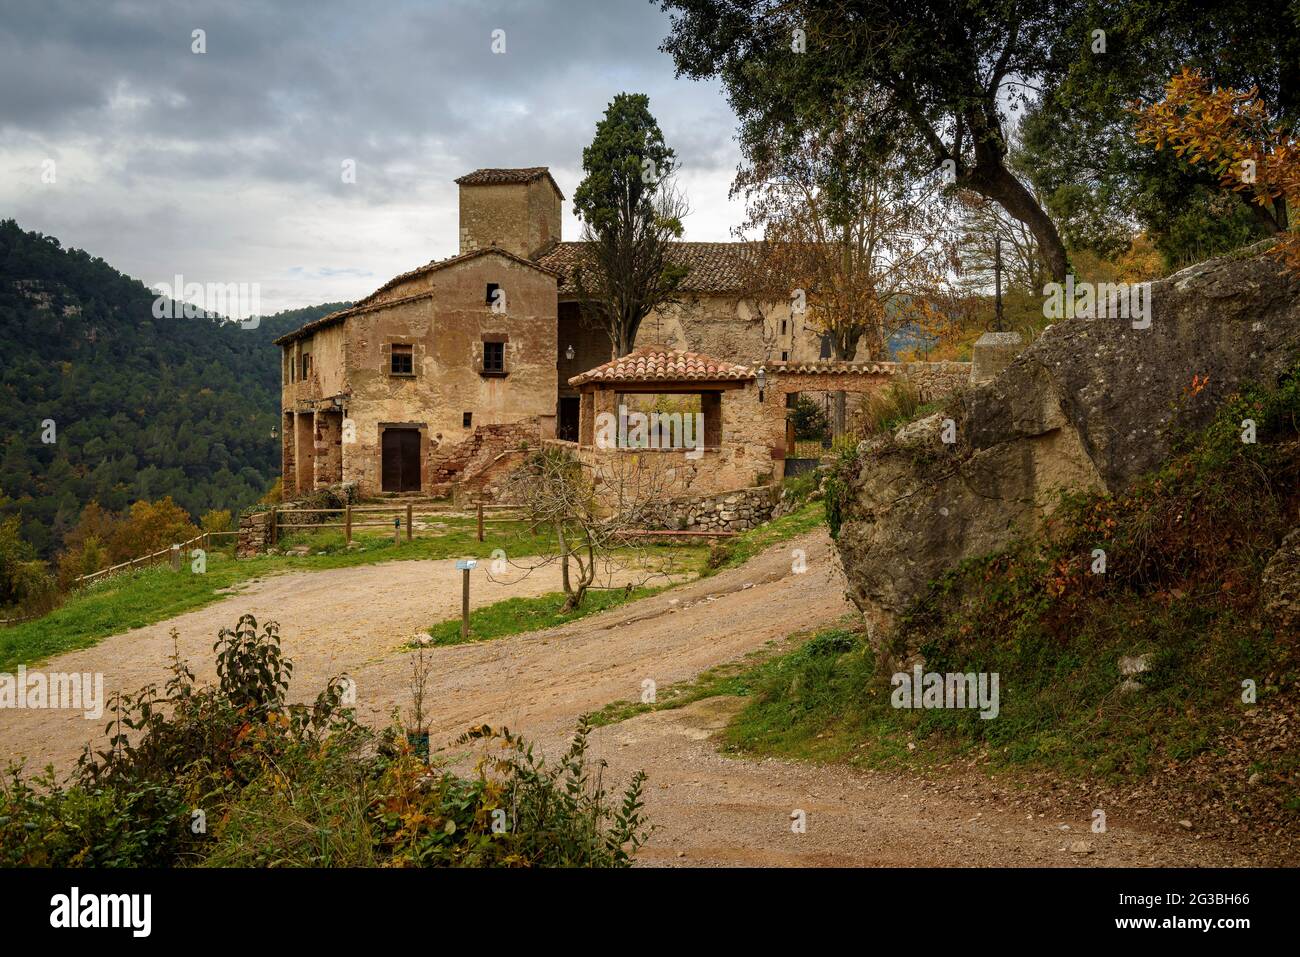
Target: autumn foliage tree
[
  {"x": 858, "y": 249},
  {"x": 102, "y": 538},
  {"x": 1233, "y": 134}
]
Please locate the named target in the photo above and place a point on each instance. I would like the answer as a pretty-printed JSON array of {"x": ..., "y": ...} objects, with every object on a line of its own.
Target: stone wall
[
  {"x": 744, "y": 452},
  {"x": 936, "y": 380},
  {"x": 728, "y": 512},
  {"x": 470, "y": 468},
  {"x": 993, "y": 352},
  {"x": 254, "y": 534},
  {"x": 255, "y": 527},
  {"x": 328, "y": 449}
]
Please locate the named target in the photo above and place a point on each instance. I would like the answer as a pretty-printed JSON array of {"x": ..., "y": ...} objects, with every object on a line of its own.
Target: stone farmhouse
[{"x": 428, "y": 384}]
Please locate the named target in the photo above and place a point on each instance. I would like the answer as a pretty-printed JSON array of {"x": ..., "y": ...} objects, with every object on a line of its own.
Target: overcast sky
[{"x": 226, "y": 166}]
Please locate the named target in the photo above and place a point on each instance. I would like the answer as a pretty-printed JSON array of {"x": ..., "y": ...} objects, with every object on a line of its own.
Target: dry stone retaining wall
[{"x": 725, "y": 512}]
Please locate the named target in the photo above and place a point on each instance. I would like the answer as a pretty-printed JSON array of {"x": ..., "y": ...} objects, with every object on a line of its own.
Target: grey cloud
[{"x": 287, "y": 91}]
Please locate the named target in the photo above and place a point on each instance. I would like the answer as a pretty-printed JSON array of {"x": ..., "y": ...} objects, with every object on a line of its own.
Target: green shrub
[
  {"x": 719, "y": 554},
  {"x": 47, "y": 825},
  {"x": 887, "y": 409},
  {"x": 234, "y": 775},
  {"x": 810, "y": 419},
  {"x": 839, "y": 480}
]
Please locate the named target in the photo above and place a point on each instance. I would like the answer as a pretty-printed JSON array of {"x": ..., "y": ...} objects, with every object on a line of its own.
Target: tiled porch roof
[{"x": 651, "y": 365}]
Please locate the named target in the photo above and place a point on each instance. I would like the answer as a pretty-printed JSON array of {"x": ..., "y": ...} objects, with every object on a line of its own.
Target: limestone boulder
[
  {"x": 1280, "y": 584},
  {"x": 1091, "y": 404}
]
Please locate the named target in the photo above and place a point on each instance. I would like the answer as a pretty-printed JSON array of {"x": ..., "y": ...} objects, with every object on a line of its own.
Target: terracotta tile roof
[
  {"x": 496, "y": 177},
  {"x": 368, "y": 303},
  {"x": 714, "y": 267},
  {"x": 650, "y": 365}
]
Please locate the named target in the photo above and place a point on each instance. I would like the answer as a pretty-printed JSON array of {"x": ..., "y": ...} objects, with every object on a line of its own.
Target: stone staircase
[{"x": 466, "y": 470}]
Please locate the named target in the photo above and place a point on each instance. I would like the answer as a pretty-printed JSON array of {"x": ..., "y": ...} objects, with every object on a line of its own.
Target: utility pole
[{"x": 997, "y": 283}]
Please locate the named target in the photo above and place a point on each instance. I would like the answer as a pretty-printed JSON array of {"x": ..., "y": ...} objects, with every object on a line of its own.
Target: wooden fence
[
  {"x": 348, "y": 523},
  {"x": 171, "y": 552},
  {"x": 351, "y": 513}
]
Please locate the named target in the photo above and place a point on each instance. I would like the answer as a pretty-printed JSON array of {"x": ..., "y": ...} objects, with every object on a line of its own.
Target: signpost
[{"x": 465, "y": 565}]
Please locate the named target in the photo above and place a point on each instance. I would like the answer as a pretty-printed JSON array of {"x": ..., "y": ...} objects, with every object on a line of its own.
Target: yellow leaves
[
  {"x": 1059, "y": 577},
  {"x": 1233, "y": 133}
]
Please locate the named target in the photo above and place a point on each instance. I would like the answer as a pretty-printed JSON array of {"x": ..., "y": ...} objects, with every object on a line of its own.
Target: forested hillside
[{"x": 142, "y": 408}]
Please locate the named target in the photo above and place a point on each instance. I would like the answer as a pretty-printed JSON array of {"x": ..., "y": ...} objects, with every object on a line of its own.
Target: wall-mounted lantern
[
  {"x": 568, "y": 351},
  {"x": 275, "y": 433},
  {"x": 762, "y": 382}
]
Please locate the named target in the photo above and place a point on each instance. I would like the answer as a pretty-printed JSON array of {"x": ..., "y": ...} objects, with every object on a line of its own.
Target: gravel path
[{"x": 710, "y": 809}]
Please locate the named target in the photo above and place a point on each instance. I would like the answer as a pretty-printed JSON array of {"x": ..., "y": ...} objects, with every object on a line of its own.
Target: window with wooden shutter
[{"x": 401, "y": 360}]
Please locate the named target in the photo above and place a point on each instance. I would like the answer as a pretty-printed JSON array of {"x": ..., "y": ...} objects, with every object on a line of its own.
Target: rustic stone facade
[
  {"x": 392, "y": 393},
  {"x": 731, "y": 442},
  {"x": 431, "y": 355},
  {"x": 517, "y": 210}
]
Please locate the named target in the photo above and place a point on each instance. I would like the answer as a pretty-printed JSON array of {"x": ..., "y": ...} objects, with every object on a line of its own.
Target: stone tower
[{"x": 516, "y": 209}]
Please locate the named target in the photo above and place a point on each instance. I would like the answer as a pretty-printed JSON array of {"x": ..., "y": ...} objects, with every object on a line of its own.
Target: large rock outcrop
[{"x": 1091, "y": 404}]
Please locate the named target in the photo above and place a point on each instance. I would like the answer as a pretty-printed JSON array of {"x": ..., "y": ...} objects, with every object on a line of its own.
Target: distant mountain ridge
[{"x": 141, "y": 407}]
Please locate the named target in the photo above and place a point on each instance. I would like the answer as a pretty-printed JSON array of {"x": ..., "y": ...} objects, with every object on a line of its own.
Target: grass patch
[
  {"x": 741, "y": 677},
  {"x": 150, "y": 595},
  {"x": 734, "y": 552},
  {"x": 515, "y": 616}
]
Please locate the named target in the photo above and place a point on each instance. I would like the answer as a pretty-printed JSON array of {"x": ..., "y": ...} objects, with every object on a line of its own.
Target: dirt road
[{"x": 711, "y": 809}]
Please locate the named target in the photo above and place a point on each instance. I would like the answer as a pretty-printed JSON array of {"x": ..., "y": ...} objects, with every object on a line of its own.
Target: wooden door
[
  {"x": 568, "y": 425},
  {"x": 401, "y": 460}
]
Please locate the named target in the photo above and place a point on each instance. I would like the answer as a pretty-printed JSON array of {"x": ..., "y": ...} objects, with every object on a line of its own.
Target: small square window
[
  {"x": 401, "y": 360},
  {"x": 494, "y": 357},
  {"x": 306, "y": 366},
  {"x": 492, "y": 288},
  {"x": 467, "y": 419}
]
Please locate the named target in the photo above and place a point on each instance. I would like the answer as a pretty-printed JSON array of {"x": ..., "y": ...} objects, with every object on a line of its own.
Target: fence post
[
  {"x": 480, "y": 520},
  {"x": 408, "y": 521},
  {"x": 464, "y": 601},
  {"x": 347, "y": 524},
  {"x": 176, "y": 558}
]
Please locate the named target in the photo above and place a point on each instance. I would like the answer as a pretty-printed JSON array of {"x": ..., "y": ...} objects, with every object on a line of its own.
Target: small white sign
[{"x": 465, "y": 564}]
